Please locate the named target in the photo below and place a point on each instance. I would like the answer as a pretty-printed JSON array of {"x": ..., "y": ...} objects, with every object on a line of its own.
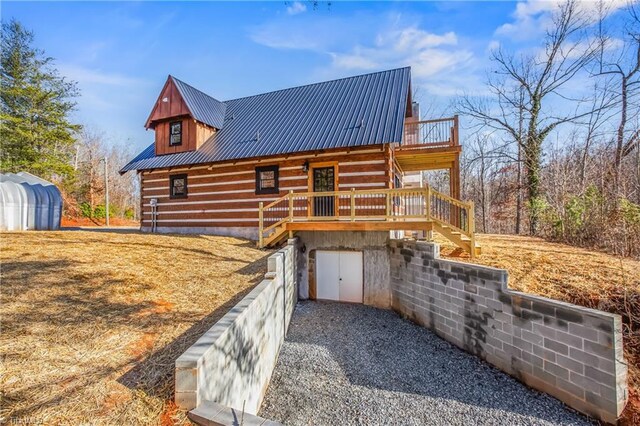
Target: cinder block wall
[
  {"x": 231, "y": 364},
  {"x": 568, "y": 351}
]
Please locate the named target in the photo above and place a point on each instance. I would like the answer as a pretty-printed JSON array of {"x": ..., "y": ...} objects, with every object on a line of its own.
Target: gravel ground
[{"x": 352, "y": 364}]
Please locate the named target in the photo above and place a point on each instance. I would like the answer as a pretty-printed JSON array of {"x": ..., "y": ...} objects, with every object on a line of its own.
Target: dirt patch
[
  {"x": 85, "y": 221},
  {"x": 571, "y": 274},
  {"x": 92, "y": 321}
]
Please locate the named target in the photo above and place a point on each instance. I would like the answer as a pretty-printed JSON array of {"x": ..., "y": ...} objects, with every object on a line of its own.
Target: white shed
[{"x": 28, "y": 202}]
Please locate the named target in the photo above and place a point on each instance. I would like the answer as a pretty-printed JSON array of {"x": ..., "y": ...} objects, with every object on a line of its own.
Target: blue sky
[{"x": 121, "y": 52}]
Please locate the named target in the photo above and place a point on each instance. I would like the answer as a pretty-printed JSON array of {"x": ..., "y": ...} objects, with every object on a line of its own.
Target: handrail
[
  {"x": 368, "y": 191},
  {"x": 452, "y": 200},
  {"x": 284, "y": 197},
  {"x": 434, "y": 120},
  {"x": 440, "y": 132},
  {"x": 388, "y": 205}
]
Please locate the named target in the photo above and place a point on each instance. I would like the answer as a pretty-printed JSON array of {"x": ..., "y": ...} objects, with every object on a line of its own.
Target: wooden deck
[{"x": 406, "y": 209}]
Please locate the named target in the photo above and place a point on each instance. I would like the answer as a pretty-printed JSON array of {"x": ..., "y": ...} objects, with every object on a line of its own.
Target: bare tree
[
  {"x": 622, "y": 67},
  {"x": 522, "y": 87},
  {"x": 92, "y": 148}
]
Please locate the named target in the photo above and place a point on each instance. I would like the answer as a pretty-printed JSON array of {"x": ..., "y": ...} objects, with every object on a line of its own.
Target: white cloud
[
  {"x": 427, "y": 53},
  {"x": 532, "y": 17},
  {"x": 297, "y": 34},
  {"x": 493, "y": 45},
  {"x": 440, "y": 62},
  {"x": 296, "y": 7}
]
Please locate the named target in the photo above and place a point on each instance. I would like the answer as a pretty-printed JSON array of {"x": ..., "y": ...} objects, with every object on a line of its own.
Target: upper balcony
[{"x": 429, "y": 145}]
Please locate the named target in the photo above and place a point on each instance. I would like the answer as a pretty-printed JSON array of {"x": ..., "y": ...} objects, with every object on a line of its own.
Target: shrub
[
  {"x": 100, "y": 212},
  {"x": 85, "y": 210}
]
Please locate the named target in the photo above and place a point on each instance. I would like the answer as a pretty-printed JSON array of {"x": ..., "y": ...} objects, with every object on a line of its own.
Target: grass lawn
[
  {"x": 92, "y": 321},
  {"x": 576, "y": 275}
]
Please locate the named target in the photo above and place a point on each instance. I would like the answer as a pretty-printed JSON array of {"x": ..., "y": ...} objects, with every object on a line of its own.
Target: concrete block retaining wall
[
  {"x": 568, "y": 351},
  {"x": 231, "y": 364}
]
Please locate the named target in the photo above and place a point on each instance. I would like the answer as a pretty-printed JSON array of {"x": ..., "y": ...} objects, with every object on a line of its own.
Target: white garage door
[{"x": 339, "y": 276}]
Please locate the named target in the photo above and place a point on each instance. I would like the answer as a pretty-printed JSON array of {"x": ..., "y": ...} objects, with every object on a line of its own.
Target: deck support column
[{"x": 454, "y": 189}]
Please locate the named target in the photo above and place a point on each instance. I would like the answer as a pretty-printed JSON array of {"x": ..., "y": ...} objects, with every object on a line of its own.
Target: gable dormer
[{"x": 183, "y": 118}]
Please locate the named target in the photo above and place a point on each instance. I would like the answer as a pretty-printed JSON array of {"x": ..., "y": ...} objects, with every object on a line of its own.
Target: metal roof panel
[{"x": 354, "y": 111}]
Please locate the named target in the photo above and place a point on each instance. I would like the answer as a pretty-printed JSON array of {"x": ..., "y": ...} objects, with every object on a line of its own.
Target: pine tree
[{"x": 36, "y": 134}]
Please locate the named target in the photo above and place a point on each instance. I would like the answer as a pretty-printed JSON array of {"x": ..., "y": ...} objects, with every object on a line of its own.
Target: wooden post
[
  {"x": 388, "y": 205},
  {"x": 353, "y": 204},
  {"x": 471, "y": 221},
  {"x": 291, "y": 205},
  {"x": 428, "y": 203},
  {"x": 429, "y": 233},
  {"x": 454, "y": 140},
  {"x": 260, "y": 224},
  {"x": 454, "y": 190}
]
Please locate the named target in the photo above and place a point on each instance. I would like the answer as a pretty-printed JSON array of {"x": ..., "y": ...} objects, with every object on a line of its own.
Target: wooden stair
[
  {"x": 278, "y": 234},
  {"x": 457, "y": 238}
]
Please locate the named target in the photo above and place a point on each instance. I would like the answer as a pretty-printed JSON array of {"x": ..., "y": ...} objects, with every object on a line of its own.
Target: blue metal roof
[
  {"x": 355, "y": 111},
  {"x": 203, "y": 107}
]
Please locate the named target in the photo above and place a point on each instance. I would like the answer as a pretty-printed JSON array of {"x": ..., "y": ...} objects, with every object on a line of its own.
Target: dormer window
[{"x": 175, "y": 133}]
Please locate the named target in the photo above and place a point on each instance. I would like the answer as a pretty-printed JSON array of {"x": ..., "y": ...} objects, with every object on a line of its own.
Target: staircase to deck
[{"x": 406, "y": 209}]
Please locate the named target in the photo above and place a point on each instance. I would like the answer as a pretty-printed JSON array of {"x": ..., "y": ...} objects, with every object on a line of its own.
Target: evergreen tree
[{"x": 36, "y": 134}]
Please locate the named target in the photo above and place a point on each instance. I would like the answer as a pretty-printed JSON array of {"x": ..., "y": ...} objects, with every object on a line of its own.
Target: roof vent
[{"x": 257, "y": 136}]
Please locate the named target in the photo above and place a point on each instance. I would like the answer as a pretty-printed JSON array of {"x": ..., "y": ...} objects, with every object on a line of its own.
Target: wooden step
[
  {"x": 456, "y": 237},
  {"x": 275, "y": 237}
]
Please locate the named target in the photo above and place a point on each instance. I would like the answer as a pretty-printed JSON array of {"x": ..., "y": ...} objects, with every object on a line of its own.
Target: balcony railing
[
  {"x": 385, "y": 205},
  {"x": 438, "y": 133}
]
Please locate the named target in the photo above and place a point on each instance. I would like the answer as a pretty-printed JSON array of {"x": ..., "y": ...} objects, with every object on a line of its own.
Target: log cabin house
[{"x": 341, "y": 155}]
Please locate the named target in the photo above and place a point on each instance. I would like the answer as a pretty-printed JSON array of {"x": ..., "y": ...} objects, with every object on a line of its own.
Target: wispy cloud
[
  {"x": 95, "y": 76},
  {"x": 296, "y": 7},
  {"x": 428, "y": 53},
  {"x": 440, "y": 63},
  {"x": 532, "y": 18}
]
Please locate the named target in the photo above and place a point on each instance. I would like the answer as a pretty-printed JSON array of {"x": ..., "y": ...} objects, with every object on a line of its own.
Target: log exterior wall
[{"x": 222, "y": 195}]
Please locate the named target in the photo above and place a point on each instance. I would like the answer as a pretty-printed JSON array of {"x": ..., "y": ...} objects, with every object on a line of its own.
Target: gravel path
[{"x": 352, "y": 364}]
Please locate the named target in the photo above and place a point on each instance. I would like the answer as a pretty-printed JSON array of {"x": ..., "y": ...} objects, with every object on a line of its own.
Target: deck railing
[
  {"x": 438, "y": 133},
  {"x": 378, "y": 205}
]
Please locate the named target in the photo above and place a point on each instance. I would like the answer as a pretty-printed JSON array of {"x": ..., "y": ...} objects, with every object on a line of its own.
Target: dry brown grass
[
  {"x": 572, "y": 274},
  {"x": 92, "y": 322}
]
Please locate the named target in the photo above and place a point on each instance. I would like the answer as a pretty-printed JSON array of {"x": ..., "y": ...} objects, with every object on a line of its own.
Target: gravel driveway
[{"x": 352, "y": 364}]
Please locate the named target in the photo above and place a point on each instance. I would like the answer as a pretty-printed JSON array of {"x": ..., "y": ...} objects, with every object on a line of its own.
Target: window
[
  {"x": 267, "y": 180},
  {"x": 175, "y": 133},
  {"x": 178, "y": 186}
]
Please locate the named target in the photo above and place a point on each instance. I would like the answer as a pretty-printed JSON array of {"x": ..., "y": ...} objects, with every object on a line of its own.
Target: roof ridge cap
[{"x": 194, "y": 88}]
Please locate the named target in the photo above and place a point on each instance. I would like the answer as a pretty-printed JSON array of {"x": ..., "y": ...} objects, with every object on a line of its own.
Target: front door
[{"x": 323, "y": 181}]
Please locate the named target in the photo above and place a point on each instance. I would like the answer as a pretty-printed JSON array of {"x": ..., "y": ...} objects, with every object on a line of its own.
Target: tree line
[
  {"x": 38, "y": 133},
  {"x": 544, "y": 158}
]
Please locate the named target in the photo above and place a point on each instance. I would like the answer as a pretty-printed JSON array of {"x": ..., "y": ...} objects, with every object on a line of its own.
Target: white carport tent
[{"x": 28, "y": 202}]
